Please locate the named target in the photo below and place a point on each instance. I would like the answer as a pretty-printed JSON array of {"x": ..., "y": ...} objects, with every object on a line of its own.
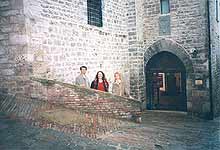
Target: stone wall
[
  {"x": 51, "y": 38},
  {"x": 215, "y": 56},
  {"x": 60, "y": 40},
  {"x": 135, "y": 19},
  {"x": 187, "y": 26},
  {"x": 13, "y": 46}
]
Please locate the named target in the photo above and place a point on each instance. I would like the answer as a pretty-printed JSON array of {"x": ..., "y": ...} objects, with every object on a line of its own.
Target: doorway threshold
[{"x": 167, "y": 111}]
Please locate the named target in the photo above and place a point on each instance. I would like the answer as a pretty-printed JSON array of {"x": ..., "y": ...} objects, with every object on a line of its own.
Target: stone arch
[
  {"x": 172, "y": 47},
  {"x": 167, "y": 45}
]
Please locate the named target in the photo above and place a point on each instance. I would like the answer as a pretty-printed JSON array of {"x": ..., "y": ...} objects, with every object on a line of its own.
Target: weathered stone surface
[
  {"x": 4, "y": 21},
  {"x": 17, "y": 135},
  {"x": 7, "y": 72},
  {"x": 69, "y": 42},
  {"x": 10, "y": 13},
  {"x": 17, "y": 39},
  {"x": 159, "y": 130},
  {"x": 2, "y": 50},
  {"x": 6, "y": 29},
  {"x": 17, "y": 4},
  {"x": 130, "y": 28},
  {"x": 4, "y": 3},
  {"x": 164, "y": 25},
  {"x": 3, "y": 36},
  {"x": 215, "y": 57},
  {"x": 170, "y": 130},
  {"x": 189, "y": 28},
  {"x": 17, "y": 19}
]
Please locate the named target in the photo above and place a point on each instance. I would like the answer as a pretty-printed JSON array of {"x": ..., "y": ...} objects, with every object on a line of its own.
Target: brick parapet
[{"x": 87, "y": 100}]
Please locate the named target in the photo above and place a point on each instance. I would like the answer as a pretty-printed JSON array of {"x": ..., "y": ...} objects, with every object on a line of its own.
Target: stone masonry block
[
  {"x": 17, "y": 39},
  {"x": 6, "y": 29},
  {"x": 17, "y": 4},
  {"x": 4, "y": 3},
  {"x": 2, "y": 50},
  {"x": 20, "y": 19},
  {"x": 7, "y": 72},
  {"x": 3, "y": 36},
  {"x": 3, "y": 60},
  {"x": 4, "y": 20},
  {"x": 10, "y": 13}
]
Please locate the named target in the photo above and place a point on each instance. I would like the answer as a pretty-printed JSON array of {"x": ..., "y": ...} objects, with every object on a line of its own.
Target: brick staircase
[
  {"x": 86, "y": 112},
  {"x": 84, "y": 99}
]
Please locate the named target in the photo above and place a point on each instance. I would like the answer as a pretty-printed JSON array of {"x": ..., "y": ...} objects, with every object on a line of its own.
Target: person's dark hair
[
  {"x": 83, "y": 67},
  {"x": 103, "y": 75},
  {"x": 94, "y": 84}
]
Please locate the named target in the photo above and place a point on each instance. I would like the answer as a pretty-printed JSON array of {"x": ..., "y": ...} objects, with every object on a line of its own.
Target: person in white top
[{"x": 82, "y": 79}]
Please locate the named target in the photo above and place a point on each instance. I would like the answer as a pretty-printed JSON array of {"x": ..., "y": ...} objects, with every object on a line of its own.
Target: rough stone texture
[
  {"x": 164, "y": 130},
  {"x": 215, "y": 57},
  {"x": 51, "y": 38},
  {"x": 158, "y": 131},
  {"x": 15, "y": 135},
  {"x": 174, "y": 48},
  {"x": 58, "y": 31},
  {"x": 189, "y": 30},
  {"x": 13, "y": 44}
]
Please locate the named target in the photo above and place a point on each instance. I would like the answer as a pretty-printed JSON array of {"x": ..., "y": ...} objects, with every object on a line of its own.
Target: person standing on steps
[
  {"x": 100, "y": 83},
  {"x": 82, "y": 79},
  {"x": 118, "y": 86}
]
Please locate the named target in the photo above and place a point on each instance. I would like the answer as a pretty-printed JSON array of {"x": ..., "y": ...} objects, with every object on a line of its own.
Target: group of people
[{"x": 100, "y": 82}]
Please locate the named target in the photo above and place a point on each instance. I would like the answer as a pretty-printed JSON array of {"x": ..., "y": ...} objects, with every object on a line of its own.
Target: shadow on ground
[{"x": 158, "y": 131}]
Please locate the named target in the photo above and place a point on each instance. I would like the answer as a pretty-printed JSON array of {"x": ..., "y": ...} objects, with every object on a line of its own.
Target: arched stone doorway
[
  {"x": 171, "y": 64},
  {"x": 166, "y": 82}
]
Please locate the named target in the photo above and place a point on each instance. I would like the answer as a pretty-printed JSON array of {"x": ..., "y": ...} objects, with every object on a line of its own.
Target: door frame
[{"x": 150, "y": 87}]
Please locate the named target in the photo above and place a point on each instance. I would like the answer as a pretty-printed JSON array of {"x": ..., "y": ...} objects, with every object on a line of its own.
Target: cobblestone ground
[
  {"x": 16, "y": 135},
  {"x": 171, "y": 131},
  {"x": 158, "y": 131}
]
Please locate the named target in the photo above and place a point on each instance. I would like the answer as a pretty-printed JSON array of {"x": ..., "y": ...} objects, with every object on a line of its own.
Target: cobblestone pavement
[
  {"x": 158, "y": 131},
  {"x": 171, "y": 131},
  {"x": 16, "y": 135}
]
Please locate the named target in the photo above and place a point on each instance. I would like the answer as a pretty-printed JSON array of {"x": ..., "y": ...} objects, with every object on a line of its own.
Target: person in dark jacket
[{"x": 100, "y": 83}]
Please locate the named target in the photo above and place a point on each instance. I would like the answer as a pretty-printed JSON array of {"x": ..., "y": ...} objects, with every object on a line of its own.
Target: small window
[
  {"x": 164, "y": 6},
  {"x": 94, "y": 10},
  {"x": 217, "y": 10}
]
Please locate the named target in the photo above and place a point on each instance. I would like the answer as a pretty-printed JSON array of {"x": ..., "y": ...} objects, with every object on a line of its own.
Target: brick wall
[
  {"x": 98, "y": 112},
  {"x": 86, "y": 100},
  {"x": 37, "y": 111},
  {"x": 215, "y": 57}
]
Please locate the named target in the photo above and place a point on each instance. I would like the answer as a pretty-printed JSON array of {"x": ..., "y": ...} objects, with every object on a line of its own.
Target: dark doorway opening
[{"x": 166, "y": 82}]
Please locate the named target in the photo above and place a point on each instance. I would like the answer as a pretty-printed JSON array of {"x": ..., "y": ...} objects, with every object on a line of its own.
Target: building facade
[
  {"x": 167, "y": 50},
  {"x": 188, "y": 30}
]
